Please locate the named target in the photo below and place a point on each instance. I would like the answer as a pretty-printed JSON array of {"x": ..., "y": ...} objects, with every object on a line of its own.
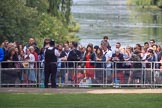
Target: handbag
[{"x": 25, "y": 64}]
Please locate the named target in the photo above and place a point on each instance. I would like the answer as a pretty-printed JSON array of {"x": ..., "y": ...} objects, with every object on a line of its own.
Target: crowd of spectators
[{"x": 30, "y": 54}]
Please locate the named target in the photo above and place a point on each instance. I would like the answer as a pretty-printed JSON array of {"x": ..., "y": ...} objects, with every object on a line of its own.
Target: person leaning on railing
[
  {"x": 118, "y": 57},
  {"x": 30, "y": 59},
  {"x": 127, "y": 54},
  {"x": 99, "y": 55},
  {"x": 73, "y": 57},
  {"x": 150, "y": 59},
  {"x": 12, "y": 75},
  {"x": 99, "y": 64},
  {"x": 136, "y": 58},
  {"x": 63, "y": 60},
  {"x": 106, "y": 58},
  {"x": 89, "y": 56}
]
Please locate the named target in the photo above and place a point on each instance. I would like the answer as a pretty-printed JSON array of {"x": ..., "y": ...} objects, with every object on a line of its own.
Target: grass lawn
[{"x": 11, "y": 100}]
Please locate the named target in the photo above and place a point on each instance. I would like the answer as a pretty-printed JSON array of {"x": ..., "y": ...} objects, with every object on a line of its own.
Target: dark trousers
[{"x": 50, "y": 69}]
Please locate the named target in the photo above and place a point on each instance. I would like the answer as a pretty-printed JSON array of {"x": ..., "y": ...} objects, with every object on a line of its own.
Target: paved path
[{"x": 78, "y": 90}]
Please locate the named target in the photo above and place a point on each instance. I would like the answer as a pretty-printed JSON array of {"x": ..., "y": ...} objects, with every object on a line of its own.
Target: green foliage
[
  {"x": 16, "y": 20},
  {"x": 66, "y": 9},
  {"x": 159, "y": 3},
  {"x": 50, "y": 26},
  {"x": 145, "y": 2},
  {"x": 21, "y": 19},
  {"x": 54, "y": 7},
  {"x": 73, "y": 25},
  {"x": 60, "y": 9},
  {"x": 40, "y": 5}
]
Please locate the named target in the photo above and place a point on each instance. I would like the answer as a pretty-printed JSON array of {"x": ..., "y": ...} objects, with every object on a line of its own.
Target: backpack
[{"x": 136, "y": 57}]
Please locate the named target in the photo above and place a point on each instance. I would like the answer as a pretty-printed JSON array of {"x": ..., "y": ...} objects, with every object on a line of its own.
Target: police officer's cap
[{"x": 52, "y": 42}]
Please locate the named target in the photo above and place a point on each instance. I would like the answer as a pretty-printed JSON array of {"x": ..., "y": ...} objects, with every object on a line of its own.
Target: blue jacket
[{"x": 1, "y": 54}]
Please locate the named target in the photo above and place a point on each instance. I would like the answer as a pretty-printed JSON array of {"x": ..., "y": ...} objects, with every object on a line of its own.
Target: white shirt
[
  {"x": 56, "y": 52},
  {"x": 31, "y": 59},
  {"x": 108, "y": 55},
  {"x": 67, "y": 53},
  {"x": 24, "y": 49}
]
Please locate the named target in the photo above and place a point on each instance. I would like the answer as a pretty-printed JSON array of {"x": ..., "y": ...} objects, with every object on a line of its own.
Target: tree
[
  {"x": 146, "y": 2},
  {"x": 21, "y": 19},
  {"x": 66, "y": 9},
  {"x": 40, "y": 5},
  {"x": 60, "y": 9},
  {"x": 51, "y": 27},
  {"x": 54, "y": 7},
  {"x": 16, "y": 20}
]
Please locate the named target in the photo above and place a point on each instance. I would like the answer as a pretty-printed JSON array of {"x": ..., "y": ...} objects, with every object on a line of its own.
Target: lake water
[{"x": 121, "y": 23}]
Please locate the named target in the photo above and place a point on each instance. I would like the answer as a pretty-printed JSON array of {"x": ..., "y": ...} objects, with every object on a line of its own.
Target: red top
[
  {"x": 88, "y": 65},
  {"x": 89, "y": 73}
]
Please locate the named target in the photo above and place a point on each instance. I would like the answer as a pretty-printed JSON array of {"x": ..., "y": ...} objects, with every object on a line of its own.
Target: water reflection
[{"x": 114, "y": 18}]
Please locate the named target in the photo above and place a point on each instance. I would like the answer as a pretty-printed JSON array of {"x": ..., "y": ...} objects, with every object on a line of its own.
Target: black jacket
[
  {"x": 121, "y": 58},
  {"x": 74, "y": 55}
]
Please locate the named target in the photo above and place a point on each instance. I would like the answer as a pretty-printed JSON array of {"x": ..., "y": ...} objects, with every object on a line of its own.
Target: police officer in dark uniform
[{"x": 51, "y": 55}]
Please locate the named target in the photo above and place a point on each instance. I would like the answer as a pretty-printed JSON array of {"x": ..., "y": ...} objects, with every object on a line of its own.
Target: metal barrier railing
[{"x": 120, "y": 74}]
